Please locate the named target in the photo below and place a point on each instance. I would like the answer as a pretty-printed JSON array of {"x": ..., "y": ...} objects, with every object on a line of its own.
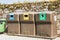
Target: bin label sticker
[{"x": 42, "y": 16}]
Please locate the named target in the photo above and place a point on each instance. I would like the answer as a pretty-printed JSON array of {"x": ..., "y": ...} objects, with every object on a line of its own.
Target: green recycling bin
[{"x": 2, "y": 26}]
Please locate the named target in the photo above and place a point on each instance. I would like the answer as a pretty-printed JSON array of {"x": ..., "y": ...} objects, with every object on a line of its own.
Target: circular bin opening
[
  {"x": 25, "y": 15},
  {"x": 11, "y": 15}
]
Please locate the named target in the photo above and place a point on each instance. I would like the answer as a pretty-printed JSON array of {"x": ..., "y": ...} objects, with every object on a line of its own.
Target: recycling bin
[
  {"x": 46, "y": 24},
  {"x": 2, "y": 25},
  {"x": 13, "y": 24},
  {"x": 27, "y": 24}
]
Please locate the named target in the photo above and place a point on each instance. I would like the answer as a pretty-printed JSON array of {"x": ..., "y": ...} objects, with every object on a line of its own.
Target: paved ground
[{"x": 6, "y": 37}]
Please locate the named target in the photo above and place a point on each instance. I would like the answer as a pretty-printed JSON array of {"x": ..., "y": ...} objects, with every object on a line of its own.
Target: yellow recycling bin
[{"x": 27, "y": 24}]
